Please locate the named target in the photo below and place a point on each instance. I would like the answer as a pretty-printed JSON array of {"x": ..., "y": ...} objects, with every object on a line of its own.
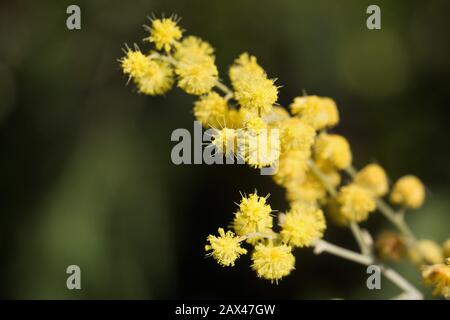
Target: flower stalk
[{"x": 409, "y": 291}]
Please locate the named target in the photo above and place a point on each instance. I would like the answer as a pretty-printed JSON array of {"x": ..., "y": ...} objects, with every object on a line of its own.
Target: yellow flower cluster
[
  {"x": 189, "y": 61},
  {"x": 272, "y": 257},
  {"x": 307, "y": 158}
]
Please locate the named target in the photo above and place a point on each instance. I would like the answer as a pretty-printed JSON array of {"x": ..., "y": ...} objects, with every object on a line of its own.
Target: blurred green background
[{"x": 85, "y": 170}]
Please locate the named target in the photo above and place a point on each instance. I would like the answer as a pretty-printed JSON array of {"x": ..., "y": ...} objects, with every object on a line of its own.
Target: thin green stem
[
  {"x": 411, "y": 292},
  {"x": 227, "y": 91},
  {"x": 396, "y": 220},
  {"x": 324, "y": 246},
  {"x": 356, "y": 230}
]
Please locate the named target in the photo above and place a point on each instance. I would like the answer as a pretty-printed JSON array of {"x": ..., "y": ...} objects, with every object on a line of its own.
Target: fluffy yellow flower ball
[
  {"x": 197, "y": 76},
  {"x": 355, "y": 202},
  {"x": 257, "y": 94},
  {"x": 334, "y": 150},
  {"x": 135, "y": 63},
  {"x": 253, "y": 90},
  {"x": 253, "y": 216},
  {"x": 157, "y": 79},
  {"x": 408, "y": 191},
  {"x": 302, "y": 225},
  {"x": 211, "y": 110},
  {"x": 164, "y": 32},
  {"x": 318, "y": 112},
  {"x": 225, "y": 248},
  {"x": 273, "y": 262},
  {"x": 297, "y": 135},
  {"x": 373, "y": 177}
]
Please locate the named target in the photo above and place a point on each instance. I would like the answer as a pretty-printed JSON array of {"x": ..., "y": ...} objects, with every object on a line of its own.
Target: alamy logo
[
  {"x": 73, "y": 21},
  {"x": 74, "y": 280},
  {"x": 374, "y": 280},
  {"x": 257, "y": 148},
  {"x": 374, "y": 20}
]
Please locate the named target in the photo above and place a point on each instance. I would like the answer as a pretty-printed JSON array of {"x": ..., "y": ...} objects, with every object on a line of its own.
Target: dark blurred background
[{"x": 85, "y": 170}]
